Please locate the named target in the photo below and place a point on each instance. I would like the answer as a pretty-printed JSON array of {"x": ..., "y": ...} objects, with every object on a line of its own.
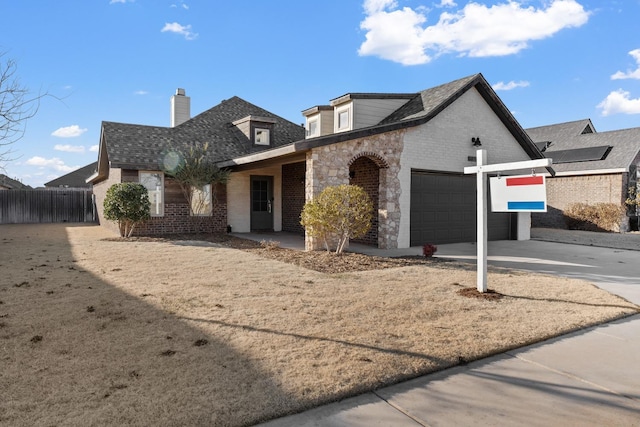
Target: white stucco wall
[
  {"x": 444, "y": 144},
  {"x": 239, "y": 198}
]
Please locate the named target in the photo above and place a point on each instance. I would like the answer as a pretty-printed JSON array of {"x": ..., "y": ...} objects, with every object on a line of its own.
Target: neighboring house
[
  {"x": 7, "y": 183},
  {"x": 137, "y": 153},
  {"x": 407, "y": 151},
  {"x": 591, "y": 167},
  {"x": 76, "y": 179}
]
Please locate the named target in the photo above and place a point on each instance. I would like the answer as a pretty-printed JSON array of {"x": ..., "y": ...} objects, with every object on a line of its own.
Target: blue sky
[{"x": 121, "y": 60}]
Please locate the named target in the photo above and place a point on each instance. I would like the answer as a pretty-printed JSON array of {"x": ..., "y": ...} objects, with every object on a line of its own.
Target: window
[
  {"x": 201, "y": 201},
  {"x": 343, "y": 119},
  {"x": 313, "y": 127},
  {"x": 154, "y": 183},
  {"x": 261, "y": 136}
]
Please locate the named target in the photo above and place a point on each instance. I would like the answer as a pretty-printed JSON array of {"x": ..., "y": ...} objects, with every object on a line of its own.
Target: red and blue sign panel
[{"x": 527, "y": 193}]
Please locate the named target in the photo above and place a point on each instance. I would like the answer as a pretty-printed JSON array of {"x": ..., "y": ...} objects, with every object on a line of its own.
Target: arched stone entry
[{"x": 365, "y": 173}]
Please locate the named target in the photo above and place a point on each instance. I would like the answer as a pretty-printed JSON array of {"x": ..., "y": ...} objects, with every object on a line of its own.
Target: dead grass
[{"x": 194, "y": 333}]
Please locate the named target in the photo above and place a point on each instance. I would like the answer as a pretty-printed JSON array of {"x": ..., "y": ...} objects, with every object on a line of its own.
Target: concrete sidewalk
[{"x": 588, "y": 378}]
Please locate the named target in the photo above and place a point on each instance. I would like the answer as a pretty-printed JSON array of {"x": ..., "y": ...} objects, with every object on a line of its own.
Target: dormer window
[
  {"x": 313, "y": 128},
  {"x": 319, "y": 121},
  {"x": 343, "y": 121},
  {"x": 261, "y": 136},
  {"x": 257, "y": 129}
]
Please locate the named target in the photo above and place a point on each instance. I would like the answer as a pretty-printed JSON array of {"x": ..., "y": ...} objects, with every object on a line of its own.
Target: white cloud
[
  {"x": 69, "y": 148},
  {"x": 121, "y": 1},
  {"x": 635, "y": 74},
  {"x": 141, "y": 92},
  {"x": 619, "y": 101},
  {"x": 447, "y": 3},
  {"x": 54, "y": 163},
  {"x": 185, "y": 30},
  {"x": 69, "y": 131},
  {"x": 510, "y": 85},
  {"x": 182, "y": 5},
  {"x": 476, "y": 30},
  {"x": 94, "y": 148}
]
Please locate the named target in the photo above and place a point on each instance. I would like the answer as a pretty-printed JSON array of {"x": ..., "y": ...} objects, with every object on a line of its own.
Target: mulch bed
[
  {"x": 490, "y": 295},
  {"x": 322, "y": 261}
]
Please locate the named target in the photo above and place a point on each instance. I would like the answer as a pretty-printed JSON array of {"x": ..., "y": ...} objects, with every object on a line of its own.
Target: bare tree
[{"x": 17, "y": 105}]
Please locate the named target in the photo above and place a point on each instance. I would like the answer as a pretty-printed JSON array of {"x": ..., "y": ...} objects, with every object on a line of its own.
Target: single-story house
[
  {"x": 75, "y": 179},
  {"x": 407, "y": 150},
  {"x": 591, "y": 167},
  {"x": 7, "y": 183}
]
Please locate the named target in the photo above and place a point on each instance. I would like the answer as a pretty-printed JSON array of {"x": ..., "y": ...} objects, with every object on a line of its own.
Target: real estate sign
[{"x": 523, "y": 193}]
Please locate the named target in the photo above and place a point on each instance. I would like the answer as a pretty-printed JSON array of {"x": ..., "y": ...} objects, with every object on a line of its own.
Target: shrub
[
  {"x": 598, "y": 217},
  {"x": 192, "y": 169},
  {"x": 341, "y": 212},
  {"x": 128, "y": 204},
  {"x": 428, "y": 250}
]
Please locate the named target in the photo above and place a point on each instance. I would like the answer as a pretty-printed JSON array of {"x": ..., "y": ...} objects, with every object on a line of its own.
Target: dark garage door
[{"x": 443, "y": 210}]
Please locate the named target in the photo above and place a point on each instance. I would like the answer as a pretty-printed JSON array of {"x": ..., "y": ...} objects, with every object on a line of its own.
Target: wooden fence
[{"x": 44, "y": 206}]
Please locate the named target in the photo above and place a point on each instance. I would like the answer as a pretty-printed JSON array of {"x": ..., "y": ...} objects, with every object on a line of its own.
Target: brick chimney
[{"x": 180, "y": 108}]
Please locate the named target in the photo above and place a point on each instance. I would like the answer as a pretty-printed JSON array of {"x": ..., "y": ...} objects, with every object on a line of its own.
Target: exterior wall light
[{"x": 476, "y": 141}]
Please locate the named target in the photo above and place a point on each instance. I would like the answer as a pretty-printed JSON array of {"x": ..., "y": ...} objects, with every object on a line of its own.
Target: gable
[{"x": 445, "y": 142}]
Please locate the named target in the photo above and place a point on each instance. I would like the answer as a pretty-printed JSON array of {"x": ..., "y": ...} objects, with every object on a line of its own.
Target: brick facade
[
  {"x": 177, "y": 217},
  {"x": 365, "y": 173},
  {"x": 591, "y": 189},
  {"x": 292, "y": 197}
]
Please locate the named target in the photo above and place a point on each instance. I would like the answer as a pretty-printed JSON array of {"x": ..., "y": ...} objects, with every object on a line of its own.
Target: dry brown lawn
[{"x": 160, "y": 332}]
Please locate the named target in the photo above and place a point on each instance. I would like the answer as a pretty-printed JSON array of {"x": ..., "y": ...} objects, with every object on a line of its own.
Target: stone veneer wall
[{"x": 329, "y": 165}]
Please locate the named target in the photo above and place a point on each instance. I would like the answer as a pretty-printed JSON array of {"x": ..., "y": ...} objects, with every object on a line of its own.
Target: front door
[{"x": 261, "y": 203}]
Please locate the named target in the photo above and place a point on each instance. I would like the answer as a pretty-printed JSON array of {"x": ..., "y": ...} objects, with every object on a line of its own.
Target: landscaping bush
[
  {"x": 428, "y": 250},
  {"x": 128, "y": 204},
  {"x": 341, "y": 212},
  {"x": 598, "y": 217}
]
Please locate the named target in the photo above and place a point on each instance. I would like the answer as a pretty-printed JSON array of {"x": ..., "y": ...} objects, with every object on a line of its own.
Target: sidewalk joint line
[
  {"x": 399, "y": 409},
  {"x": 576, "y": 378}
]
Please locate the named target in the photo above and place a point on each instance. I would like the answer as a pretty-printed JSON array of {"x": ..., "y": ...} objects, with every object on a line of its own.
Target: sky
[{"x": 550, "y": 61}]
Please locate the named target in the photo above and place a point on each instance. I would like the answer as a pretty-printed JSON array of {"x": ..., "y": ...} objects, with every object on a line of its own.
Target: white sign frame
[
  {"x": 481, "y": 169},
  {"x": 527, "y": 194}
]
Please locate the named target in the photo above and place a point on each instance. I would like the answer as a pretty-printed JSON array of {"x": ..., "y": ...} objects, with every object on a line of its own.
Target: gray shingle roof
[
  {"x": 12, "y": 184},
  {"x": 138, "y": 146},
  {"x": 559, "y": 131},
  {"x": 625, "y": 145},
  {"x": 427, "y": 100},
  {"x": 421, "y": 108},
  {"x": 75, "y": 179}
]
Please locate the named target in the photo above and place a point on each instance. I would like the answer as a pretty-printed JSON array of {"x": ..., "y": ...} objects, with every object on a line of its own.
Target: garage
[{"x": 443, "y": 210}]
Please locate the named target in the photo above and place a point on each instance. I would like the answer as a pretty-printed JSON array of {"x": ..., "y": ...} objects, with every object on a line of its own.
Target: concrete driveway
[
  {"x": 588, "y": 378},
  {"x": 615, "y": 270}
]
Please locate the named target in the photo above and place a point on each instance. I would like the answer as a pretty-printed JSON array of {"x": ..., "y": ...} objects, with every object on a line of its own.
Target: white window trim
[
  {"x": 347, "y": 126},
  {"x": 209, "y": 202},
  {"x": 315, "y": 120},
  {"x": 255, "y": 136},
  {"x": 161, "y": 204}
]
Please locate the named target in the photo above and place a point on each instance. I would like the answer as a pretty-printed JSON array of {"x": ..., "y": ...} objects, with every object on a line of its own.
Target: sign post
[{"x": 481, "y": 169}]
